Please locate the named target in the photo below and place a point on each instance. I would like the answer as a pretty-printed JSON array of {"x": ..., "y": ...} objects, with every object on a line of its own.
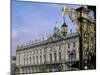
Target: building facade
[
  {"x": 57, "y": 53},
  {"x": 49, "y": 55}
]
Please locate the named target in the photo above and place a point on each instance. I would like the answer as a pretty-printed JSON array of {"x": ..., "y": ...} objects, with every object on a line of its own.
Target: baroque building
[
  {"x": 48, "y": 55},
  {"x": 57, "y": 53}
]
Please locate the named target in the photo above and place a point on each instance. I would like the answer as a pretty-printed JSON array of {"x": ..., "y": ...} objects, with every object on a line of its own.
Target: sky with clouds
[{"x": 33, "y": 20}]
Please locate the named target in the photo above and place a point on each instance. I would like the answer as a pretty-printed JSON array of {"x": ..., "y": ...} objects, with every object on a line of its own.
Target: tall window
[
  {"x": 30, "y": 59},
  {"x": 51, "y": 58},
  {"x": 59, "y": 56},
  {"x": 40, "y": 59},
  {"x": 73, "y": 44},
  {"x": 55, "y": 57},
  {"x": 27, "y": 60},
  {"x": 37, "y": 59},
  {"x": 44, "y": 58},
  {"x": 69, "y": 56},
  {"x": 74, "y": 55},
  {"x": 68, "y": 45}
]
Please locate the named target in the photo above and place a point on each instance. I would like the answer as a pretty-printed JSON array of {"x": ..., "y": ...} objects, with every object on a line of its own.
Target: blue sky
[{"x": 32, "y": 20}]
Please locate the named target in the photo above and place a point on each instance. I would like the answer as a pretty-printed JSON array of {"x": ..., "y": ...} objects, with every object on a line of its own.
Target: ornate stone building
[
  {"x": 57, "y": 53},
  {"x": 52, "y": 54}
]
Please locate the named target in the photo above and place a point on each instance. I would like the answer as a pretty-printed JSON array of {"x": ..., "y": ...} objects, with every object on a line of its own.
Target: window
[
  {"x": 72, "y": 56},
  {"x": 69, "y": 57},
  {"x": 51, "y": 58},
  {"x": 27, "y": 60},
  {"x": 30, "y": 59},
  {"x": 59, "y": 56},
  {"x": 37, "y": 59},
  {"x": 55, "y": 59},
  {"x": 73, "y": 44},
  {"x": 68, "y": 45},
  {"x": 44, "y": 58},
  {"x": 40, "y": 58}
]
